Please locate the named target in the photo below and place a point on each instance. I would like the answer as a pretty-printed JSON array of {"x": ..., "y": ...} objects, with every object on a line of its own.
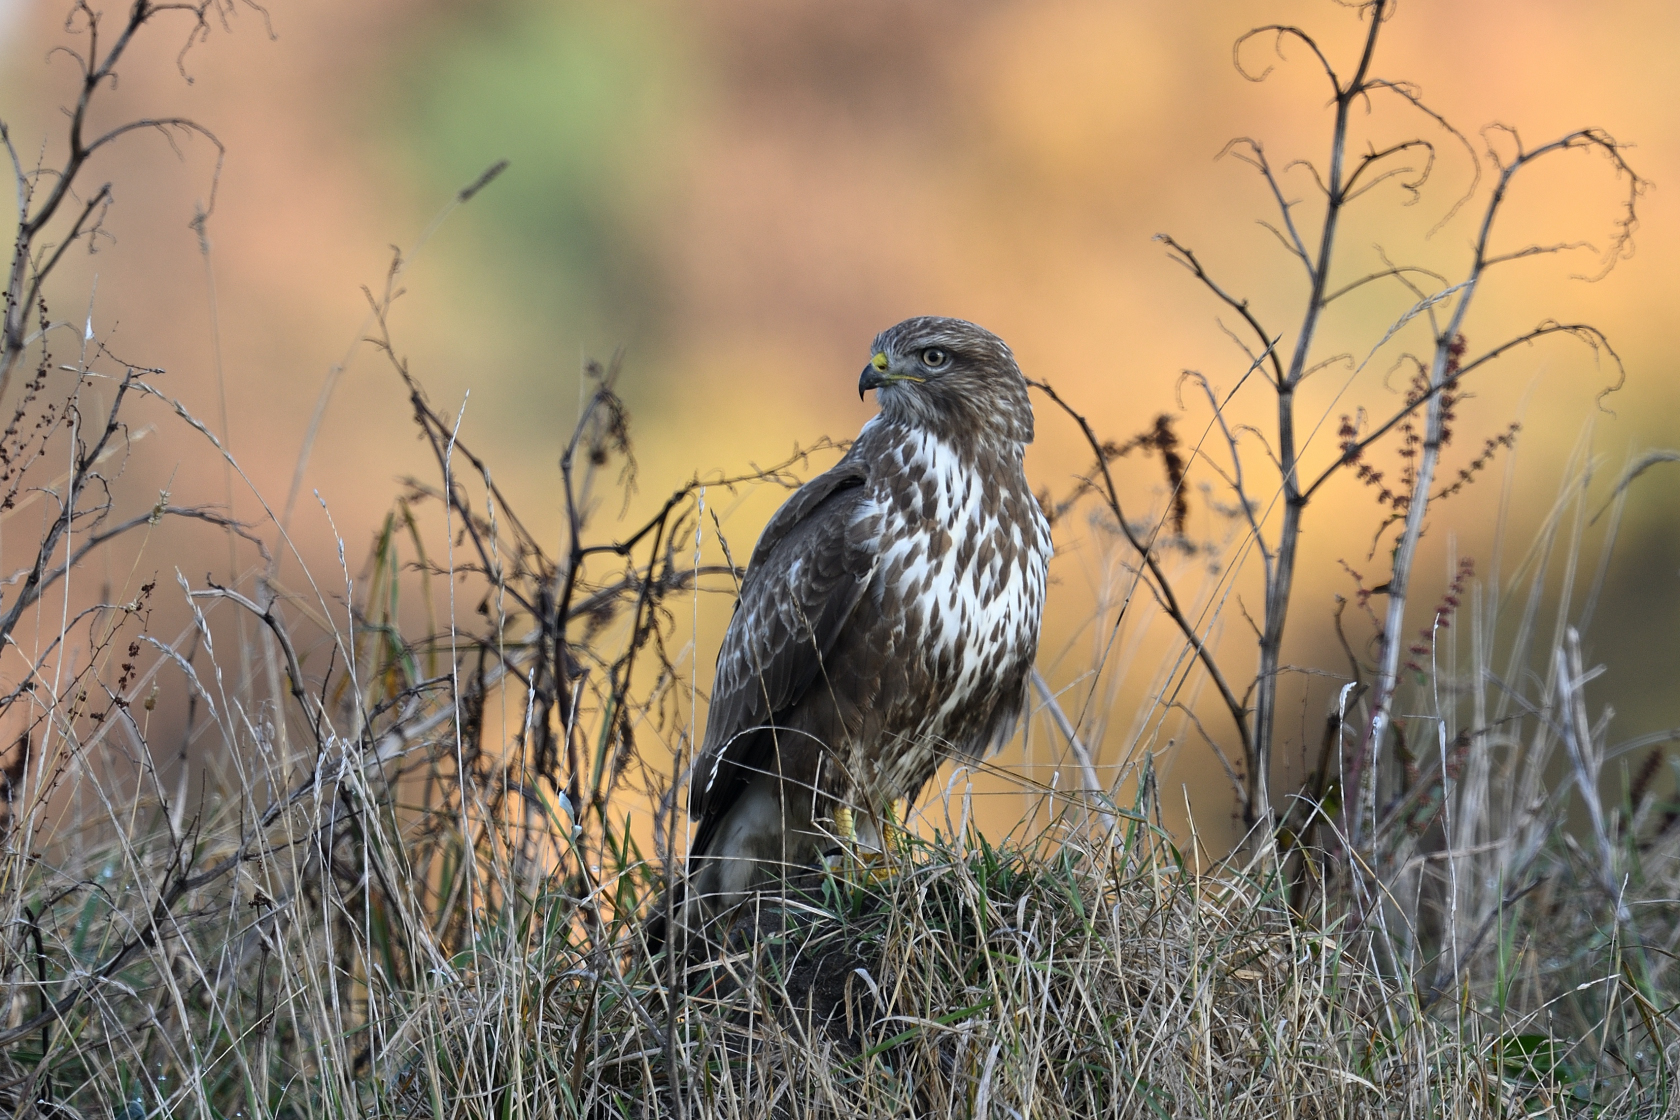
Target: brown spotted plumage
[{"x": 888, "y": 619}]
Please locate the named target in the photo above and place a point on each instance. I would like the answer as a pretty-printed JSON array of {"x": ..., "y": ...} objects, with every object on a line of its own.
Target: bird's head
[{"x": 949, "y": 375}]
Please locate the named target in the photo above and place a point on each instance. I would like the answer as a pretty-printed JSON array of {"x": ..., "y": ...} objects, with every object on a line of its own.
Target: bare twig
[
  {"x": 1158, "y": 582},
  {"x": 1081, "y": 753},
  {"x": 28, "y": 273},
  {"x": 1383, "y": 686}
]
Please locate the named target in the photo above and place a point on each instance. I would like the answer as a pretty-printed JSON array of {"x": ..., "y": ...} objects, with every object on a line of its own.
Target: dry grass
[
  {"x": 372, "y": 853},
  {"x": 359, "y": 893},
  {"x": 324, "y": 977}
]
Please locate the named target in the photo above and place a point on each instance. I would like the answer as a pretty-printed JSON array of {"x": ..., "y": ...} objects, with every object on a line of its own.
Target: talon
[{"x": 844, "y": 823}]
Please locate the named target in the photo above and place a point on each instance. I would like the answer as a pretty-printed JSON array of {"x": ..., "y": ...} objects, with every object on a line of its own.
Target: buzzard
[{"x": 888, "y": 618}]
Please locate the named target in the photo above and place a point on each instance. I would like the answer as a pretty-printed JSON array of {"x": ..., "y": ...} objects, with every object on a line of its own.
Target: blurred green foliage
[{"x": 585, "y": 100}]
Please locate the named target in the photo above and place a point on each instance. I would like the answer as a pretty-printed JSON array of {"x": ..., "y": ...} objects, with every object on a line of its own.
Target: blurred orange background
[{"x": 741, "y": 194}]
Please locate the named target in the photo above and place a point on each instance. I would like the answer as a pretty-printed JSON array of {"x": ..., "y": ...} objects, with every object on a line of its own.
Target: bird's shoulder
[{"x": 830, "y": 497}]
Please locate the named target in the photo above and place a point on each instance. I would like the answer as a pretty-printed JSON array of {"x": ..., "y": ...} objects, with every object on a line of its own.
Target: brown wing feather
[{"x": 801, "y": 586}]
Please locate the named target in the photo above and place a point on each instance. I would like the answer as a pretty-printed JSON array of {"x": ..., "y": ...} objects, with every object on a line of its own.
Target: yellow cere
[{"x": 879, "y": 361}]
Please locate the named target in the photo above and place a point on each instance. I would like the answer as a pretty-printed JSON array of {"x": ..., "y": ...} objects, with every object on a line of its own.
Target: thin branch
[
  {"x": 24, "y": 284},
  {"x": 1258, "y": 161},
  {"x": 1087, "y": 769},
  {"x": 294, "y": 671},
  {"x": 1237, "y": 786},
  {"x": 82, "y": 472},
  {"x": 1584, "y": 331},
  {"x": 1411, "y": 96},
  {"x": 151, "y": 517},
  {"x": 1350, "y": 191},
  {"x": 1236, "y": 482},
  {"x": 1387, "y": 676},
  {"x": 1281, "y": 31},
  {"x": 1159, "y": 583},
  {"x": 1279, "y": 588},
  {"x": 1188, "y": 259},
  {"x": 1397, "y": 272}
]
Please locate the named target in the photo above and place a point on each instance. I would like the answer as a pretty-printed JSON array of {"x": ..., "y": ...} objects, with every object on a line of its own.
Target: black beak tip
[{"x": 869, "y": 379}]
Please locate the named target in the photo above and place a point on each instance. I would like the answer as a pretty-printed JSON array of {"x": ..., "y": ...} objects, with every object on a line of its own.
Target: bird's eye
[{"x": 934, "y": 358}]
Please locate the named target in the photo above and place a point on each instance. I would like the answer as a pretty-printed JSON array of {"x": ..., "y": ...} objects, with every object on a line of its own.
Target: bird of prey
[{"x": 888, "y": 619}]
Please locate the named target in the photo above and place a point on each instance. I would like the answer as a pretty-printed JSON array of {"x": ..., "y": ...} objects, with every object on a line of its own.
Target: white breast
[{"x": 967, "y": 602}]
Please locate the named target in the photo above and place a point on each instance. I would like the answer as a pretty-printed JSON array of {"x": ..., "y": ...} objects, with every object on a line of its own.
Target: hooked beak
[
  {"x": 871, "y": 379},
  {"x": 874, "y": 375}
]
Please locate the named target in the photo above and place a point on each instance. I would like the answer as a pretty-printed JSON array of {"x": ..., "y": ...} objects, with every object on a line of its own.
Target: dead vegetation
[{"x": 378, "y": 859}]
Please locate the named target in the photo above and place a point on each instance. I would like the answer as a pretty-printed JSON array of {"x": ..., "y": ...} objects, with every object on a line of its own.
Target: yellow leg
[{"x": 871, "y": 863}]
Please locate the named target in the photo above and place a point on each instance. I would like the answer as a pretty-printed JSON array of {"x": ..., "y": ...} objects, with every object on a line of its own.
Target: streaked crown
[{"x": 952, "y": 376}]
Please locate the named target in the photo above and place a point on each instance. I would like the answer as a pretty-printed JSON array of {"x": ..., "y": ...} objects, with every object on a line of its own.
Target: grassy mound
[{"x": 1058, "y": 980}]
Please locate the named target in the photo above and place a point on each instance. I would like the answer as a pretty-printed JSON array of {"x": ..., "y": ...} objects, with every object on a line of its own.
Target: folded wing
[{"x": 803, "y": 584}]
